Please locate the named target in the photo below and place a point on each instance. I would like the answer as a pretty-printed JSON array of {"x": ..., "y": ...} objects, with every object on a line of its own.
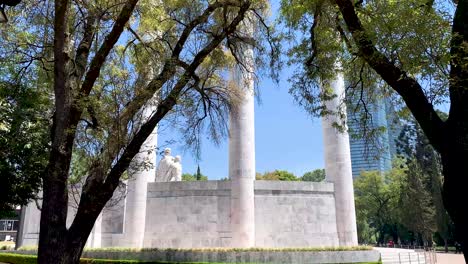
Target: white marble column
[
  {"x": 338, "y": 165},
  {"x": 141, "y": 171},
  {"x": 95, "y": 238},
  {"x": 242, "y": 154}
]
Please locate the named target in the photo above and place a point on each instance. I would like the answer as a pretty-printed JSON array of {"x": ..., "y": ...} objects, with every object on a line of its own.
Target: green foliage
[
  {"x": 377, "y": 207},
  {"x": 424, "y": 184},
  {"x": 198, "y": 175},
  {"x": 400, "y": 205},
  {"x": 317, "y": 175},
  {"x": 123, "y": 249},
  {"x": 419, "y": 214},
  {"x": 31, "y": 259},
  {"x": 24, "y": 140},
  {"x": 277, "y": 175},
  {"x": 18, "y": 258},
  {"x": 193, "y": 177},
  {"x": 401, "y": 30}
]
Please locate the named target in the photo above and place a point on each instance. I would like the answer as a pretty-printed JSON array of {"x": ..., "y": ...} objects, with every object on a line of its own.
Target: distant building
[
  {"x": 9, "y": 227},
  {"x": 372, "y": 153}
]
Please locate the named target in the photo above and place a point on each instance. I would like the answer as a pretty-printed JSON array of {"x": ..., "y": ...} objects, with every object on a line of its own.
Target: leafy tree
[
  {"x": 394, "y": 42},
  {"x": 418, "y": 214},
  {"x": 366, "y": 233},
  {"x": 277, "y": 175},
  {"x": 108, "y": 64},
  {"x": 424, "y": 165},
  {"x": 377, "y": 198},
  {"x": 24, "y": 143},
  {"x": 198, "y": 175},
  {"x": 193, "y": 177},
  {"x": 317, "y": 175}
]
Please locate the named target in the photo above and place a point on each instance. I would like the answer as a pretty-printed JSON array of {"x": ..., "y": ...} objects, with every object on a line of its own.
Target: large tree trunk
[
  {"x": 53, "y": 232},
  {"x": 455, "y": 166},
  {"x": 57, "y": 244}
]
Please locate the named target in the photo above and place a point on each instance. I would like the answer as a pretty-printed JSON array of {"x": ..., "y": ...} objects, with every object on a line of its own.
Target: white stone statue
[
  {"x": 164, "y": 167},
  {"x": 176, "y": 169},
  {"x": 169, "y": 168}
]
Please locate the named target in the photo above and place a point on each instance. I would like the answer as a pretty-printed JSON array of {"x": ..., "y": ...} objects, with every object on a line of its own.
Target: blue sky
[{"x": 286, "y": 137}]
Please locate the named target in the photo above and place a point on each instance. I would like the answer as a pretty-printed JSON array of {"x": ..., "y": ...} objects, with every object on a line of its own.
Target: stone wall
[
  {"x": 294, "y": 214},
  {"x": 253, "y": 256},
  {"x": 197, "y": 214},
  {"x": 290, "y": 257},
  {"x": 188, "y": 214}
]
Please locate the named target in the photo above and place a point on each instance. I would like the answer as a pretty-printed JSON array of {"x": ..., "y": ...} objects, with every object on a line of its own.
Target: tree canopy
[
  {"x": 23, "y": 141},
  {"x": 317, "y": 175}
]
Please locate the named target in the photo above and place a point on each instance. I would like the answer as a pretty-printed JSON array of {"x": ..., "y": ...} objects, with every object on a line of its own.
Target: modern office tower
[{"x": 372, "y": 147}]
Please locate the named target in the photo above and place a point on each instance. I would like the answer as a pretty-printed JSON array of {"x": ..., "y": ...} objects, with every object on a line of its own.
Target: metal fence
[{"x": 410, "y": 257}]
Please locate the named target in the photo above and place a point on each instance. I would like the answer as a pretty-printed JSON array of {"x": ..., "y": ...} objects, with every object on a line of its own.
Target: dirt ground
[{"x": 443, "y": 258}]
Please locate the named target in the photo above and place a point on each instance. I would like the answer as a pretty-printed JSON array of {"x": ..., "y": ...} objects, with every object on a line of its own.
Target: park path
[
  {"x": 410, "y": 256},
  {"x": 444, "y": 258}
]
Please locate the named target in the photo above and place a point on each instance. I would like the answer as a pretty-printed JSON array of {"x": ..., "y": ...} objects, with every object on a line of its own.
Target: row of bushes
[
  {"x": 310, "y": 249},
  {"x": 31, "y": 259}
]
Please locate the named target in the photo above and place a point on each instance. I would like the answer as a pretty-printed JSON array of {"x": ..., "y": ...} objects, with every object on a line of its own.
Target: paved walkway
[
  {"x": 443, "y": 258},
  {"x": 409, "y": 256}
]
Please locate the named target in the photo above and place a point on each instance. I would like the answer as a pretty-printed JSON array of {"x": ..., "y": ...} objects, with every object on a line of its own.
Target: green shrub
[
  {"x": 28, "y": 248},
  {"x": 309, "y": 249},
  {"x": 31, "y": 259},
  {"x": 17, "y": 258}
]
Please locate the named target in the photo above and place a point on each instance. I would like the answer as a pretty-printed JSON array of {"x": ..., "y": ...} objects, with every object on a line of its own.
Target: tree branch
[
  {"x": 97, "y": 193},
  {"x": 459, "y": 63},
  {"x": 82, "y": 52},
  {"x": 167, "y": 72},
  {"x": 408, "y": 88},
  {"x": 96, "y": 64}
]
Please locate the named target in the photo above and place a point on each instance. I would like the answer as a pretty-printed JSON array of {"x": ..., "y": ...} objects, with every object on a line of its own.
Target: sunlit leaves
[{"x": 414, "y": 35}]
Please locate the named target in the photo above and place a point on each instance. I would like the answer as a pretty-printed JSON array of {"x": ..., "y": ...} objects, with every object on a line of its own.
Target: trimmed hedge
[
  {"x": 17, "y": 258},
  {"x": 31, "y": 259},
  {"x": 124, "y": 249}
]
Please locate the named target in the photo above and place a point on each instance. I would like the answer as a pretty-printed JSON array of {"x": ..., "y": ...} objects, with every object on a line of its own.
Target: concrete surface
[
  {"x": 290, "y": 257},
  {"x": 197, "y": 215},
  {"x": 242, "y": 149},
  {"x": 447, "y": 258},
  {"x": 338, "y": 163}
]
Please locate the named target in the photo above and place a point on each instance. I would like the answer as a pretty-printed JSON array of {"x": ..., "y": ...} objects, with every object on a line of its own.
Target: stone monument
[
  {"x": 176, "y": 169},
  {"x": 169, "y": 168},
  {"x": 169, "y": 213},
  {"x": 164, "y": 166}
]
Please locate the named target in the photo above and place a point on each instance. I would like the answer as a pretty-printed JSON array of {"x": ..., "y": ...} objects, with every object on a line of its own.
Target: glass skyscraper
[{"x": 374, "y": 146}]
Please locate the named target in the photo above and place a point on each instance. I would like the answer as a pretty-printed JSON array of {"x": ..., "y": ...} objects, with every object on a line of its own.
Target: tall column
[
  {"x": 242, "y": 154},
  {"x": 142, "y": 170},
  {"x": 95, "y": 238},
  {"x": 338, "y": 165}
]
